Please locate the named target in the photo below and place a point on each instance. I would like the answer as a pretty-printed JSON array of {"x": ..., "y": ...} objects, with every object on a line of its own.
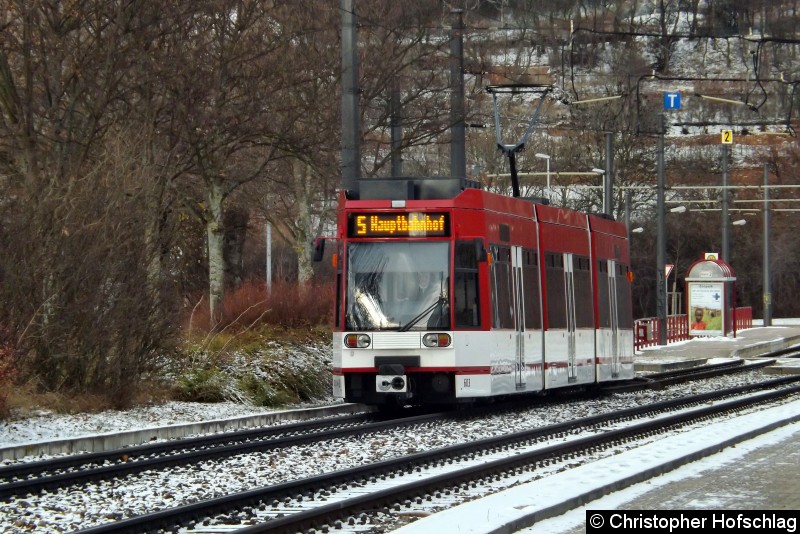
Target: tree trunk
[
  {"x": 215, "y": 232},
  {"x": 305, "y": 223}
]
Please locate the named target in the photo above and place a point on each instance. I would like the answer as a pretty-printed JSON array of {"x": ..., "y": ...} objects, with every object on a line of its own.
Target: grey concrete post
[
  {"x": 726, "y": 247},
  {"x": 458, "y": 158},
  {"x": 661, "y": 283},
  {"x": 766, "y": 268},
  {"x": 351, "y": 154},
  {"x": 608, "y": 189},
  {"x": 396, "y": 131},
  {"x": 628, "y": 212}
]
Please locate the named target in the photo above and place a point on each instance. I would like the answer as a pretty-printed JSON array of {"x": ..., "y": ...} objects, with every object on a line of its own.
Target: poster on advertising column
[{"x": 706, "y": 308}]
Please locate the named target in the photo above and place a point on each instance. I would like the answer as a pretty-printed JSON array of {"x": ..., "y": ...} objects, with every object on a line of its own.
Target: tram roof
[{"x": 472, "y": 195}]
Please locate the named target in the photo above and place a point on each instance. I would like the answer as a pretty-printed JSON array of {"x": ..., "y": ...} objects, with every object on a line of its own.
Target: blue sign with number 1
[{"x": 672, "y": 101}]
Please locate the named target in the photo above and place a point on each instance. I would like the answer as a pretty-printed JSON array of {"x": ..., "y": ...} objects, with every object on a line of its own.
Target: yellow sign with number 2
[{"x": 727, "y": 137}]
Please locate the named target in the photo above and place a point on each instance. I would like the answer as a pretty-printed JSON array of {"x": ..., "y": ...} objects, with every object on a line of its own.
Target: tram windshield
[{"x": 397, "y": 285}]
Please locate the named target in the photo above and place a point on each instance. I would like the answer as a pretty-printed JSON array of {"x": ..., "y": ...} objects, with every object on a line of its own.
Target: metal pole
[
  {"x": 351, "y": 157},
  {"x": 396, "y": 131},
  {"x": 661, "y": 283},
  {"x": 726, "y": 247},
  {"x": 766, "y": 268},
  {"x": 512, "y": 166},
  {"x": 628, "y": 212},
  {"x": 608, "y": 193},
  {"x": 666, "y": 293},
  {"x": 726, "y": 243},
  {"x": 548, "y": 180},
  {"x": 458, "y": 158}
]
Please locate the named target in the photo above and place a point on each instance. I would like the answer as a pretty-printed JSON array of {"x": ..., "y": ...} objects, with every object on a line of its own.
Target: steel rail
[
  {"x": 326, "y": 515},
  {"x": 189, "y": 514}
]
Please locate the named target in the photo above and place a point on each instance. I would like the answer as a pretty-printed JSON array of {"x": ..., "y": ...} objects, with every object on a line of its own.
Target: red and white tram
[{"x": 447, "y": 293}]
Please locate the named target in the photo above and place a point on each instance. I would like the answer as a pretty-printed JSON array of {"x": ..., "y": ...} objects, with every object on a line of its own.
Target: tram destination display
[{"x": 398, "y": 224}]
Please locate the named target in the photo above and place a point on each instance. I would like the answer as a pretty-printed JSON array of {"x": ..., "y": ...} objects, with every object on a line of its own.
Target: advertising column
[
  {"x": 706, "y": 310},
  {"x": 709, "y": 287}
]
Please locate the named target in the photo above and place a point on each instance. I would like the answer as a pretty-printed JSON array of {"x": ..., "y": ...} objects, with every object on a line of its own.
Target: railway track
[
  {"x": 60, "y": 472},
  {"x": 344, "y": 497},
  {"x": 789, "y": 352},
  {"x": 54, "y": 473},
  {"x": 700, "y": 372}
]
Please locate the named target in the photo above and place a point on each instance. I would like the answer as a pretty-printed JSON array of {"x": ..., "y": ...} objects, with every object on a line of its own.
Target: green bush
[
  {"x": 263, "y": 393},
  {"x": 202, "y": 385},
  {"x": 279, "y": 370}
]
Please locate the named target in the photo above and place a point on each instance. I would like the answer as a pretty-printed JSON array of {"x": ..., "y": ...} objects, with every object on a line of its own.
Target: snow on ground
[
  {"x": 70, "y": 510},
  {"x": 44, "y": 425},
  {"x": 67, "y": 510},
  {"x": 493, "y": 513},
  {"x": 710, "y": 467}
]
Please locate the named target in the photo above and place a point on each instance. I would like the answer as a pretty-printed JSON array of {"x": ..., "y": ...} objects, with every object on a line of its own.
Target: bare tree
[
  {"x": 232, "y": 116},
  {"x": 74, "y": 257},
  {"x": 400, "y": 47}
]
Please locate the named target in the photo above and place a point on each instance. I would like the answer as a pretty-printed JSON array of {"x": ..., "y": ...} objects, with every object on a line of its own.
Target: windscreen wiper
[{"x": 439, "y": 302}]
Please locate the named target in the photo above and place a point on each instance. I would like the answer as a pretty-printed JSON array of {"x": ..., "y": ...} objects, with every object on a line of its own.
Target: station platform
[
  {"x": 761, "y": 474},
  {"x": 751, "y": 343},
  {"x": 728, "y": 468},
  {"x": 758, "y": 475}
]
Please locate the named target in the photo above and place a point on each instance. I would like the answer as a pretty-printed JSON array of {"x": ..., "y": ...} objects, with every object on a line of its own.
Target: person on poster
[{"x": 699, "y": 323}]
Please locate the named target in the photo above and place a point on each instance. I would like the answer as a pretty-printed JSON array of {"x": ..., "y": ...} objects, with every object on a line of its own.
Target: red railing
[
  {"x": 743, "y": 318},
  {"x": 646, "y": 332}
]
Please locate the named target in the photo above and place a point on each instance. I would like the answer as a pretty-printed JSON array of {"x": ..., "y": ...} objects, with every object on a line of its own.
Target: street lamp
[
  {"x": 738, "y": 222},
  {"x": 676, "y": 209},
  {"x": 546, "y": 158},
  {"x": 593, "y": 100},
  {"x": 727, "y": 101}
]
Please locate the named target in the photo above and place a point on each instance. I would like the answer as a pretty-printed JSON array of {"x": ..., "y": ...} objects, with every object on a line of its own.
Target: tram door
[
  {"x": 614, "y": 315},
  {"x": 519, "y": 316},
  {"x": 569, "y": 286}
]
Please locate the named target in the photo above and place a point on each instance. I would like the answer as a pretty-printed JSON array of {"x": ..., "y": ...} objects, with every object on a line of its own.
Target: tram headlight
[
  {"x": 436, "y": 340},
  {"x": 357, "y": 341}
]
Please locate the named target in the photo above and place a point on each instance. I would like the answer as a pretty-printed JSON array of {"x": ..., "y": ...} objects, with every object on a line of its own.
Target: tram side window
[
  {"x": 465, "y": 301},
  {"x": 602, "y": 294},
  {"x": 624, "y": 305},
  {"x": 530, "y": 284},
  {"x": 502, "y": 298},
  {"x": 556, "y": 294},
  {"x": 582, "y": 274}
]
